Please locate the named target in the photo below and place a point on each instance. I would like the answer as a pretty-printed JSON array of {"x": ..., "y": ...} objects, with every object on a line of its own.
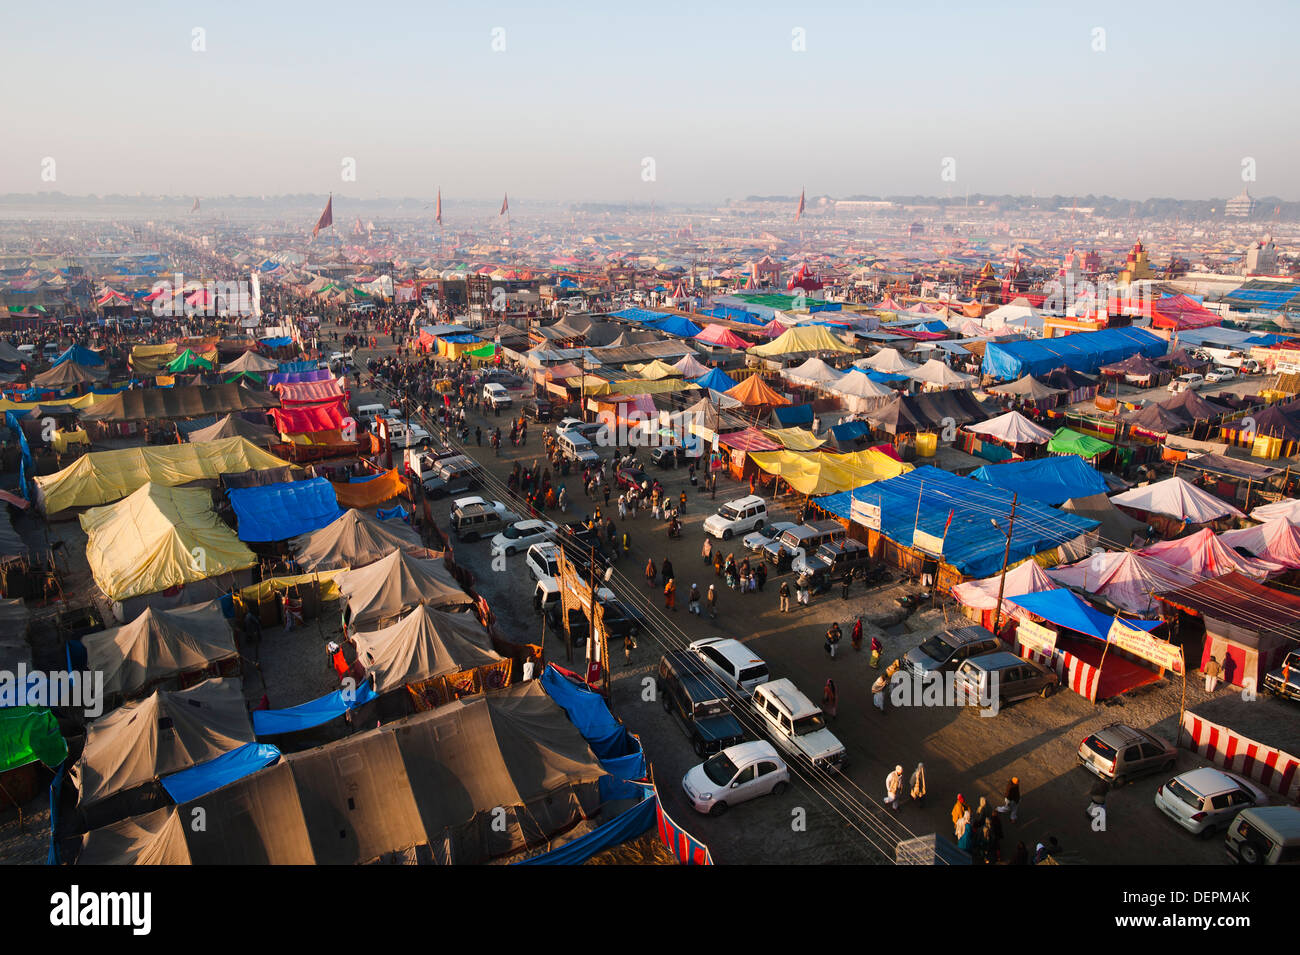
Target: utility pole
[{"x": 1006, "y": 556}]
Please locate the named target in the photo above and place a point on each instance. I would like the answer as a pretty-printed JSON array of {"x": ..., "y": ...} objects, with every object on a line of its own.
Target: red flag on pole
[
  {"x": 326, "y": 218},
  {"x": 799, "y": 212},
  {"x": 505, "y": 205},
  {"x": 437, "y": 214}
]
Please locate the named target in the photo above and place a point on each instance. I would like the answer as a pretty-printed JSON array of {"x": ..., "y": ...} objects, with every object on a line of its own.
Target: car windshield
[
  {"x": 937, "y": 648},
  {"x": 720, "y": 769},
  {"x": 790, "y": 538},
  {"x": 729, "y": 512},
  {"x": 809, "y": 724},
  {"x": 1185, "y": 794}
]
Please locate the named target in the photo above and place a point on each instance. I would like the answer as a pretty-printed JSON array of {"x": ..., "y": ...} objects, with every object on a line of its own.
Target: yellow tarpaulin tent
[
  {"x": 795, "y": 439},
  {"x": 104, "y": 476},
  {"x": 656, "y": 370},
  {"x": 157, "y": 538},
  {"x": 151, "y": 359},
  {"x": 802, "y": 338},
  {"x": 633, "y": 386},
  {"x": 81, "y": 401},
  {"x": 820, "y": 472}
]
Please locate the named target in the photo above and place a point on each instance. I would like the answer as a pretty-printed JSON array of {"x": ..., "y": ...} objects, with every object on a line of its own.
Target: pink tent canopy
[
  {"x": 1204, "y": 555},
  {"x": 1277, "y": 541},
  {"x": 720, "y": 335},
  {"x": 1028, "y": 578}
]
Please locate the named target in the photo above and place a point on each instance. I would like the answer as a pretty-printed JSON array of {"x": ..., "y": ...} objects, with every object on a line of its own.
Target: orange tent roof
[
  {"x": 366, "y": 494},
  {"x": 755, "y": 391}
]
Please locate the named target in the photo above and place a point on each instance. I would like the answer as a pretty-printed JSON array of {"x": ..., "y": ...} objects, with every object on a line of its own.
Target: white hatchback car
[
  {"x": 740, "y": 516},
  {"x": 1221, "y": 373},
  {"x": 521, "y": 535},
  {"x": 737, "y": 774},
  {"x": 1207, "y": 799}
]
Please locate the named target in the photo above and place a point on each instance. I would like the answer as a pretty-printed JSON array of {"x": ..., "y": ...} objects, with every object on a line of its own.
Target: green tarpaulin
[
  {"x": 187, "y": 361},
  {"x": 29, "y": 733},
  {"x": 240, "y": 376},
  {"x": 487, "y": 351},
  {"x": 1066, "y": 441}
]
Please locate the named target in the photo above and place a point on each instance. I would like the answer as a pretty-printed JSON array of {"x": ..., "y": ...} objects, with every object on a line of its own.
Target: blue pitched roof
[
  {"x": 1050, "y": 480},
  {"x": 716, "y": 379},
  {"x": 790, "y": 416},
  {"x": 923, "y": 498},
  {"x": 1083, "y": 351},
  {"x": 276, "y": 512}
]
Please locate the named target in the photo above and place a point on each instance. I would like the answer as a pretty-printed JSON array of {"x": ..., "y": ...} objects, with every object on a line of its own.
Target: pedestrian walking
[
  {"x": 804, "y": 595},
  {"x": 878, "y": 692},
  {"x": 1211, "y": 671},
  {"x": 964, "y": 831},
  {"x": 856, "y": 636},
  {"x": 876, "y": 649},
  {"x": 1011, "y": 802},
  {"x": 711, "y": 598},
  {"x": 670, "y": 595},
  {"x": 785, "y": 596},
  {"x": 918, "y": 784},
  {"x": 833, "y": 639},
  {"x": 693, "y": 600},
  {"x": 667, "y": 570},
  {"x": 830, "y": 699},
  {"x": 894, "y": 787},
  {"x": 650, "y": 572},
  {"x": 959, "y": 809},
  {"x": 760, "y": 575},
  {"x": 707, "y": 550}
]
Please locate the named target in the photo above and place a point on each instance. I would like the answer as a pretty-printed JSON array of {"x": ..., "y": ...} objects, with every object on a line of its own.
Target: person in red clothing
[{"x": 670, "y": 594}]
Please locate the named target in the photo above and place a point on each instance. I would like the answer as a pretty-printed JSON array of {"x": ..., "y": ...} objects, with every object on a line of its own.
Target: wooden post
[{"x": 1006, "y": 556}]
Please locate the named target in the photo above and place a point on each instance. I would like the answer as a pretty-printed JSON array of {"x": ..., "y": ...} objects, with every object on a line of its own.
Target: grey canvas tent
[
  {"x": 425, "y": 643},
  {"x": 426, "y": 788},
  {"x": 159, "y": 645},
  {"x": 232, "y": 426},
  {"x": 159, "y": 735},
  {"x": 385, "y": 590},
  {"x": 355, "y": 539}
]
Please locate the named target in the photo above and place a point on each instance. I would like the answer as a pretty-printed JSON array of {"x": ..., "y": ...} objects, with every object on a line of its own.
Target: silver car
[{"x": 1207, "y": 799}]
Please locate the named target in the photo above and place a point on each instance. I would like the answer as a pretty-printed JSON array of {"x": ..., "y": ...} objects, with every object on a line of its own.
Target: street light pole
[{"x": 1006, "y": 556}]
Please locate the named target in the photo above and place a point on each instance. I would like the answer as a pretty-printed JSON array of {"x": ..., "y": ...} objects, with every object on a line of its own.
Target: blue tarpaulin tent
[
  {"x": 677, "y": 325},
  {"x": 277, "y": 342},
  {"x": 850, "y": 430},
  {"x": 202, "y": 779},
  {"x": 717, "y": 380},
  {"x": 1050, "y": 480},
  {"x": 1084, "y": 351},
  {"x": 81, "y": 355},
  {"x": 587, "y": 711},
  {"x": 793, "y": 416},
  {"x": 922, "y": 499},
  {"x": 1062, "y": 608},
  {"x": 276, "y": 512},
  {"x": 304, "y": 716}
]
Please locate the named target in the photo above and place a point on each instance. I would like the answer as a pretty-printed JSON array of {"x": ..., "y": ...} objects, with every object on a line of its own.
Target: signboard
[
  {"x": 1034, "y": 636},
  {"x": 929, "y": 543},
  {"x": 1141, "y": 644},
  {"x": 868, "y": 515}
]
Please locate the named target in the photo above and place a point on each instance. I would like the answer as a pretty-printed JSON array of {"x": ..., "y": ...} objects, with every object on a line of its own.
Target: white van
[
  {"x": 1265, "y": 835},
  {"x": 577, "y": 448},
  {"x": 366, "y": 414},
  {"x": 496, "y": 395},
  {"x": 1189, "y": 382}
]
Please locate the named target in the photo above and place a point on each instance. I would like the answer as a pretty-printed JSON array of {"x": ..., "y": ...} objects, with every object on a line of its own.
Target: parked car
[
  {"x": 834, "y": 561},
  {"x": 1012, "y": 677},
  {"x": 630, "y": 477},
  {"x": 740, "y": 516},
  {"x": 521, "y": 535},
  {"x": 797, "y": 725},
  {"x": 1269, "y": 835},
  {"x": 574, "y": 447},
  {"x": 622, "y": 619},
  {"x": 732, "y": 662},
  {"x": 496, "y": 395},
  {"x": 690, "y": 693},
  {"x": 1188, "y": 382},
  {"x": 474, "y": 519},
  {"x": 946, "y": 651},
  {"x": 403, "y": 435},
  {"x": 566, "y": 424},
  {"x": 737, "y": 774},
  {"x": 1285, "y": 680},
  {"x": 1119, "y": 752},
  {"x": 538, "y": 410},
  {"x": 801, "y": 541},
  {"x": 1250, "y": 366},
  {"x": 768, "y": 532},
  {"x": 543, "y": 560},
  {"x": 1220, "y": 373},
  {"x": 1207, "y": 799}
]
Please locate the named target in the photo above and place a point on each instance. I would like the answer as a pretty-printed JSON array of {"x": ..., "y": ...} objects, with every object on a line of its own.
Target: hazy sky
[{"x": 714, "y": 93}]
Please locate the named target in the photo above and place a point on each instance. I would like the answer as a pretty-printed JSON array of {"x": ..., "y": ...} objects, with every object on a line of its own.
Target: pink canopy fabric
[
  {"x": 1128, "y": 579},
  {"x": 1277, "y": 541},
  {"x": 775, "y": 328},
  {"x": 310, "y": 391},
  {"x": 750, "y": 439},
  {"x": 720, "y": 335},
  {"x": 1028, "y": 578}
]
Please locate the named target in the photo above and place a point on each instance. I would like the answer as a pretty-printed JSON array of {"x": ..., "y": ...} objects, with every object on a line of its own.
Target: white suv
[
  {"x": 542, "y": 560},
  {"x": 737, "y": 517},
  {"x": 733, "y": 662},
  {"x": 496, "y": 395},
  {"x": 400, "y": 435},
  {"x": 797, "y": 725}
]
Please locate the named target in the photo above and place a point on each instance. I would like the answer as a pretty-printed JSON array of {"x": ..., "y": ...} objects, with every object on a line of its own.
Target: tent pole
[{"x": 1006, "y": 556}]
